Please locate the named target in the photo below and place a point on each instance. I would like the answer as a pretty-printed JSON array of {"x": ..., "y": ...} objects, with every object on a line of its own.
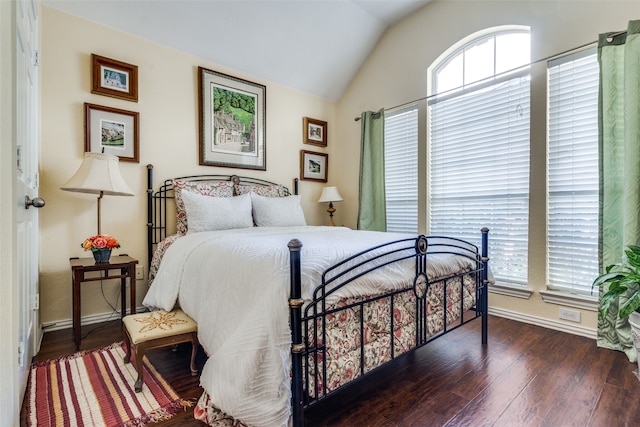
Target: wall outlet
[
  {"x": 139, "y": 272},
  {"x": 571, "y": 315}
]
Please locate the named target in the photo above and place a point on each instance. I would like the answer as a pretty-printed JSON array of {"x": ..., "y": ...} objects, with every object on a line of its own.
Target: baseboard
[
  {"x": 84, "y": 320},
  {"x": 545, "y": 323},
  {"x": 513, "y": 315}
]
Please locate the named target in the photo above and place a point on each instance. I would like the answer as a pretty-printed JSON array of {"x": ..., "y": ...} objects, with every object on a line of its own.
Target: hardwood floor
[{"x": 525, "y": 376}]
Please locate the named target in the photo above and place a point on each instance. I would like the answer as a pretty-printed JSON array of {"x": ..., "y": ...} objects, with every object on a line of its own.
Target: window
[
  {"x": 401, "y": 169},
  {"x": 572, "y": 212},
  {"x": 478, "y": 151}
]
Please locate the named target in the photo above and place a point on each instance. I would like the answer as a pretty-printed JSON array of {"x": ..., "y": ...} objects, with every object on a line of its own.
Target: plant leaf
[{"x": 630, "y": 305}]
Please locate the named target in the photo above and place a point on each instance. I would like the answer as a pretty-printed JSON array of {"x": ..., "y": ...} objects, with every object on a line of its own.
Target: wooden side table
[{"x": 80, "y": 266}]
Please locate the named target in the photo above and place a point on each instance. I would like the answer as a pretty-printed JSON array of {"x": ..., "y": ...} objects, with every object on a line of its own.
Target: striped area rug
[{"x": 95, "y": 388}]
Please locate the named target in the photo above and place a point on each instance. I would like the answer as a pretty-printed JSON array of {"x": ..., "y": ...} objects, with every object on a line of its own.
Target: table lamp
[
  {"x": 330, "y": 194},
  {"x": 98, "y": 174}
]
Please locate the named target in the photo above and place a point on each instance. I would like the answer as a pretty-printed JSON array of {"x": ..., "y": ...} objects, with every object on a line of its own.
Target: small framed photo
[
  {"x": 111, "y": 131},
  {"x": 315, "y": 131},
  {"x": 114, "y": 78},
  {"x": 313, "y": 166}
]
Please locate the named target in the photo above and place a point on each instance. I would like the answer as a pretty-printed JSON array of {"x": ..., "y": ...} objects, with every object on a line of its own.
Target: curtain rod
[{"x": 609, "y": 39}]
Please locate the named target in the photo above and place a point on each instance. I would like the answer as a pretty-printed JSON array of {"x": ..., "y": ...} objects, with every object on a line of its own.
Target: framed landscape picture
[
  {"x": 114, "y": 78},
  {"x": 232, "y": 116},
  {"x": 314, "y": 131},
  {"x": 313, "y": 166},
  {"x": 112, "y": 131}
]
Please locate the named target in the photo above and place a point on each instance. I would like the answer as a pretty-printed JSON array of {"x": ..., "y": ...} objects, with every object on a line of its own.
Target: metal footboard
[{"x": 309, "y": 322}]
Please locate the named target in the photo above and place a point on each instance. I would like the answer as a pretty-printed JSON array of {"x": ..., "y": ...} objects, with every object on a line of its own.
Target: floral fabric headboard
[{"x": 165, "y": 206}]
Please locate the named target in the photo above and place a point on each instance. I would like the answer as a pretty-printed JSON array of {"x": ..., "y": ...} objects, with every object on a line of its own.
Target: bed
[{"x": 289, "y": 314}]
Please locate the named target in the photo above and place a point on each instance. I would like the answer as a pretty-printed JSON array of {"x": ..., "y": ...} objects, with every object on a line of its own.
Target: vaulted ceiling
[{"x": 316, "y": 46}]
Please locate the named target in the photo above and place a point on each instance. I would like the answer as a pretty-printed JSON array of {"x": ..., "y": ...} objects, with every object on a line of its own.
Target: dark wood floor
[{"x": 525, "y": 376}]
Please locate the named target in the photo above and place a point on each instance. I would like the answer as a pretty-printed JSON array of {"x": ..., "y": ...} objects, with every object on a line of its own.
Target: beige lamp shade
[
  {"x": 330, "y": 194},
  {"x": 98, "y": 174}
]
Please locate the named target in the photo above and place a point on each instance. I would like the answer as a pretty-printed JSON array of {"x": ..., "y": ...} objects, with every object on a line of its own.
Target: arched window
[{"x": 478, "y": 146}]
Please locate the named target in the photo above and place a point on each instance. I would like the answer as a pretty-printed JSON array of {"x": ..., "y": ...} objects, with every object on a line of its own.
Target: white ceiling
[{"x": 316, "y": 46}]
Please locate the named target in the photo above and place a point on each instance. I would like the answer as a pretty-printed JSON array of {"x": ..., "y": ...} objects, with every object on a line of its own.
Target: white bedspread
[{"x": 235, "y": 285}]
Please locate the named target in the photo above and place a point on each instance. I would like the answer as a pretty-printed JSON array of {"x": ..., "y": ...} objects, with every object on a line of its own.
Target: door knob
[{"x": 36, "y": 202}]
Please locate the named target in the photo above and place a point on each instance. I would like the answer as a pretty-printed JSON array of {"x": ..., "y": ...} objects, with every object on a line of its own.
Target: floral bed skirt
[{"x": 343, "y": 337}]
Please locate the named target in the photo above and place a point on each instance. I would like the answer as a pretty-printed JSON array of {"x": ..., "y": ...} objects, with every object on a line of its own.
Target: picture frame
[
  {"x": 114, "y": 78},
  {"x": 112, "y": 131},
  {"x": 314, "y": 132},
  {"x": 232, "y": 121},
  {"x": 313, "y": 166}
]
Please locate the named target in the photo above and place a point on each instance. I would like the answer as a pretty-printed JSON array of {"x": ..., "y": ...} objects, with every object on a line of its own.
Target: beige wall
[
  {"x": 168, "y": 139},
  {"x": 393, "y": 75}
]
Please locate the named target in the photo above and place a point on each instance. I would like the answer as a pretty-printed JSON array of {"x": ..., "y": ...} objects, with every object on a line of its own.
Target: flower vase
[{"x": 102, "y": 255}]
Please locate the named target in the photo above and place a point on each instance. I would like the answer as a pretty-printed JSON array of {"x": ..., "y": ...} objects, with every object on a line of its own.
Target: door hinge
[
  {"x": 36, "y": 302},
  {"x": 36, "y": 59},
  {"x": 20, "y": 353},
  {"x": 19, "y": 158}
]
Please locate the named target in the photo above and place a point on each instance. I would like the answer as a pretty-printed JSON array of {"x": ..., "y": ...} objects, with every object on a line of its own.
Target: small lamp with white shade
[
  {"x": 98, "y": 174},
  {"x": 330, "y": 194}
]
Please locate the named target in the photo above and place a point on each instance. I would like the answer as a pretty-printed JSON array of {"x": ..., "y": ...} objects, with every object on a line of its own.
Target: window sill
[
  {"x": 510, "y": 290},
  {"x": 584, "y": 302}
]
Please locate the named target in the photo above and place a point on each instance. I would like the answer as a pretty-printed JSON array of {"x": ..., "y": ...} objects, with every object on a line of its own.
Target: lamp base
[{"x": 331, "y": 210}]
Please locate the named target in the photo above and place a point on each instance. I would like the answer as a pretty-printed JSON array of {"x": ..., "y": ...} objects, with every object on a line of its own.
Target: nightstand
[{"x": 126, "y": 268}]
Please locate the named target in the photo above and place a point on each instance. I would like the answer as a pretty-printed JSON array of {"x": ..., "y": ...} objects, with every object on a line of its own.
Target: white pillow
[
  {"x": 277, "y": 211},
  {"x": 206, "y": 213}
]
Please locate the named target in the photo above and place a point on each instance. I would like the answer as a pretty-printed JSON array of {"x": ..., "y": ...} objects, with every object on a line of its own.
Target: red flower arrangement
[{"x": 100, "y": 241}]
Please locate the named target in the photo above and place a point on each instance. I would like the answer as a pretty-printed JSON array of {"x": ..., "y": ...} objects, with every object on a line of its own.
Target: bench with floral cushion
[{"x": 145, "y": 331}]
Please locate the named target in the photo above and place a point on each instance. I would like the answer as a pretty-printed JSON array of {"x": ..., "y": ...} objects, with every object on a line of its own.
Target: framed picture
[
  {"x": 114, "y": 78},
  {"x": 313, "y": 166},
  {"x": 315, "y": 131},
  {"x": 111, "y": 131},
  {"x": 232, "y": 121}
]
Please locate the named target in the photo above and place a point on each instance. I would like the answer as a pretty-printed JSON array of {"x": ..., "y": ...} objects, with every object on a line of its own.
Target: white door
[
  {"x": 19, "y": 180},
  {"x": 27, "y": 181}
]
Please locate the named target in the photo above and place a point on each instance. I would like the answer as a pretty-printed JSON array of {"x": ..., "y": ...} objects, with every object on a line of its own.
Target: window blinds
[
  {"x": 479, "y": 171},
  {"x": 401, "y": 169},
  {"x": 572, "y": 217}
]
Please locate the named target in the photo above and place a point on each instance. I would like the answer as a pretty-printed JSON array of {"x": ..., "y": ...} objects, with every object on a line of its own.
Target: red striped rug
[{"x": 95, "y": 388}]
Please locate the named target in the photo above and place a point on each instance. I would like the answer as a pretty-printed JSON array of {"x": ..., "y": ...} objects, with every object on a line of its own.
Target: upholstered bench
[{"x": 154, "y": 329}]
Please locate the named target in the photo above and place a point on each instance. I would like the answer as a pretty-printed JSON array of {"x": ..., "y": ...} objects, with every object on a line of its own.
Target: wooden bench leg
[
  {"x": 140, "y": 351},
  {"x": 127, "y": 340}
]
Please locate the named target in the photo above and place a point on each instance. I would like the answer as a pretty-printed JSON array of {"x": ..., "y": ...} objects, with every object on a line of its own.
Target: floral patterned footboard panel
[{"x": 445, "y": 304}]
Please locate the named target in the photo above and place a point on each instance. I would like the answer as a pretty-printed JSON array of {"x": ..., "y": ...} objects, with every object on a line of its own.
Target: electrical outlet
[
  {"x": 571, "y": 315},
  {"x": 139, "y": 272}
]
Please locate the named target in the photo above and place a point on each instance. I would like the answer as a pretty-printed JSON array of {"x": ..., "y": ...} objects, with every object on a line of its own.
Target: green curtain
[
  {"x": 619, "y": 145},
  {"x": 372, "y": 210}
]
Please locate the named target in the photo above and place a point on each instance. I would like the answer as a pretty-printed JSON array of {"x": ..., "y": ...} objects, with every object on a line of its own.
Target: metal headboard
[{"x": 157, "y": 201}]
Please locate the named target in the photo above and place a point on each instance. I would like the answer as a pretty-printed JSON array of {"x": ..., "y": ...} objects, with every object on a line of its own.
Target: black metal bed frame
[
  {"x": 305, "y": 354},
  {"x": 308, "y": 358},
  {"x": 157, "y": 201}
]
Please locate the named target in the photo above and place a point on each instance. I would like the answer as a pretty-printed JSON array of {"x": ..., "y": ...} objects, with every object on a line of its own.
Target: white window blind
[
  {"x": 572, "y": 217},
  {"x": 479, "y": 170},
  {"x": 401, "y": 169}
]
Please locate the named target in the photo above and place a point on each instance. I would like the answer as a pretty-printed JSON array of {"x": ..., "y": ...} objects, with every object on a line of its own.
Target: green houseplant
[{"x": 623, "y": 279}]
